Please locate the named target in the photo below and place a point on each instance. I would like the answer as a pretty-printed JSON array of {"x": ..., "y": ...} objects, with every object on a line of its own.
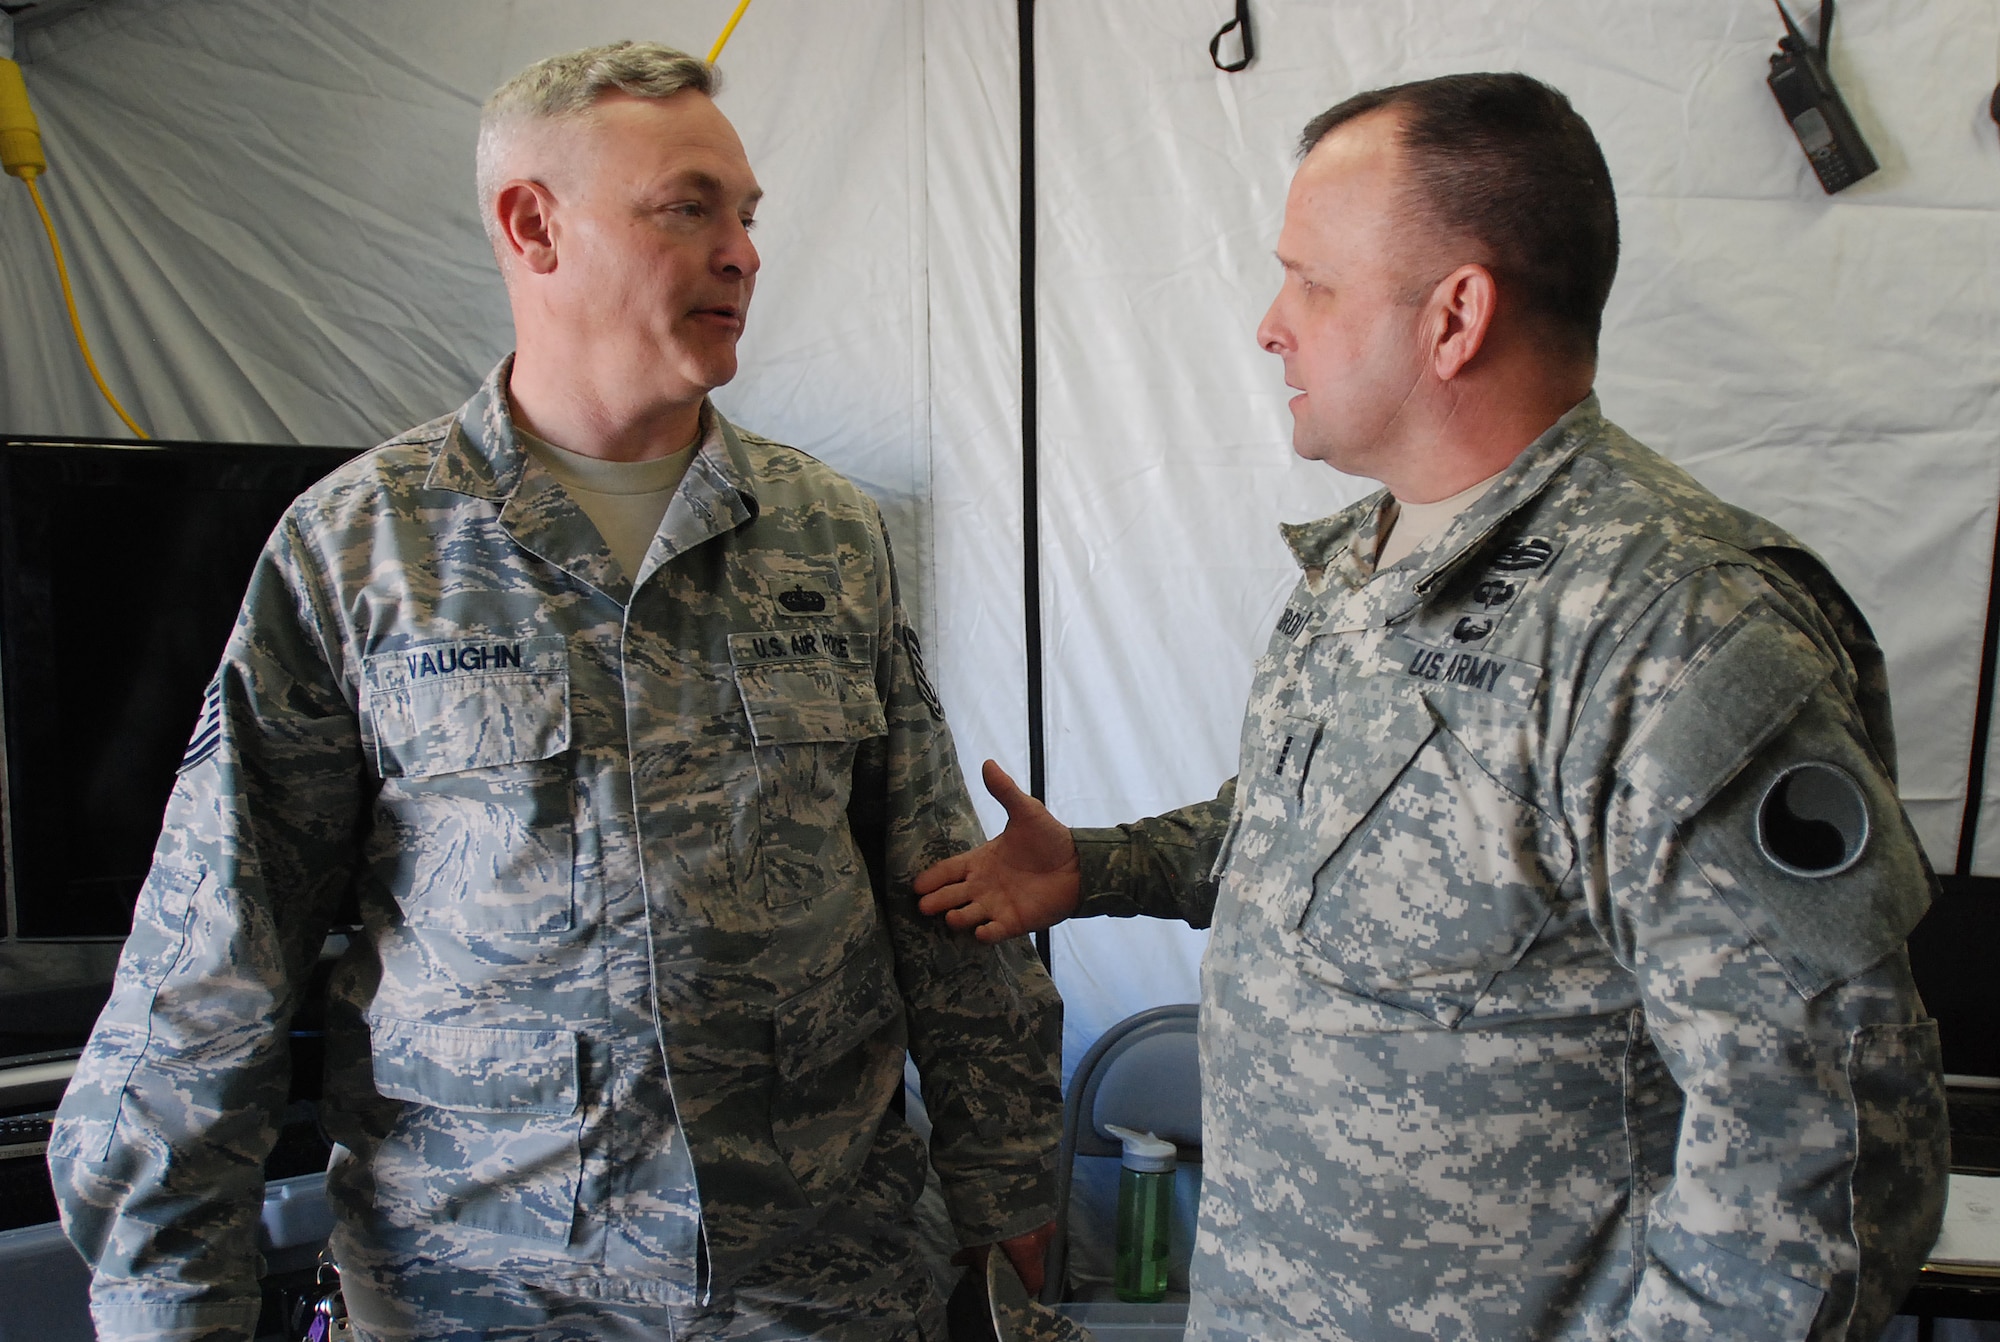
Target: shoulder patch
[
  {"x": 207, "y": 738},
  {"x": 1808, "y": 846},
  {"x": 925, "y": 690}
]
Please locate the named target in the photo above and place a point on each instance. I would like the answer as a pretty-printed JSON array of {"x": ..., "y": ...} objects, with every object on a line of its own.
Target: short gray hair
[{"x": 564, "y": 87}]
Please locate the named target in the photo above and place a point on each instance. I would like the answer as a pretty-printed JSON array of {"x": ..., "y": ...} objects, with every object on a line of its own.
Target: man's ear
[
  {"x": 1463, "y": 305},
  {"x": 526, "y": 213}
]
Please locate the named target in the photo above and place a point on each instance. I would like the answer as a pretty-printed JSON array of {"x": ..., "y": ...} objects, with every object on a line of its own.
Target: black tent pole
[
  {"x": 1031, "y": 498},
  {"x": 1982, "y": 718}
]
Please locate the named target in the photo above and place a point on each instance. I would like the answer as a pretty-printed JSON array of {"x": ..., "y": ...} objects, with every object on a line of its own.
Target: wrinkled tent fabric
[{"x": 270, "y": 216}]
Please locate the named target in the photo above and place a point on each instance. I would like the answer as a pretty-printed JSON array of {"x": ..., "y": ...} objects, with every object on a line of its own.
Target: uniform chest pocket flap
[
  {"x": 475, "y": 824},
  {"x": 448, "y": 707},
  {"x": 1443, "y": 882},
  {"x": 795, "y": 691},
  {"x": 809, "y": 698}
]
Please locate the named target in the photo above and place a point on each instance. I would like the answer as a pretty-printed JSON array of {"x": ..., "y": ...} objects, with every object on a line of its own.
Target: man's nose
[
  {"x": 1273, "y": 337},
  {"x": 738, "y": 255}
]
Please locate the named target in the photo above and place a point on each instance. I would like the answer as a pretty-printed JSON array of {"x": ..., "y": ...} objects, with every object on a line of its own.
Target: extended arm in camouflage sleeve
[
  {"x": 159, "y": 1147},
  {"x": 1161, "y": 867},
  {"x": 985, "y": 1022},
  {"x": 1806, "y": 1179}
]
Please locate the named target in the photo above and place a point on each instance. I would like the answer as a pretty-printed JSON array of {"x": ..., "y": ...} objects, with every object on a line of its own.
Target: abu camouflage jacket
[
  {"x": 639, "y": 962},
  {"x": 1557, "y": 985}
]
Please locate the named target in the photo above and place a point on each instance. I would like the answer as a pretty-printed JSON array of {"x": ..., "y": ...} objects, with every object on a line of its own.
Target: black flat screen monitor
[{"x": 122, "y": 565}]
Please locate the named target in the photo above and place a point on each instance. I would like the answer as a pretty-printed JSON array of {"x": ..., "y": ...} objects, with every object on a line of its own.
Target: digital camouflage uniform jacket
[
  {"x": 587, "y": 822},
  {"x": 1545, "y": 999}
]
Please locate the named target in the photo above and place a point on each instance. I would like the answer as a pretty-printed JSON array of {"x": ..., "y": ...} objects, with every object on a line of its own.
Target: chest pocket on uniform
[
  {"x": 1442, "y": 882},
  {"x": 475, "y": 827},
  {"x": 810, "y": 700}
]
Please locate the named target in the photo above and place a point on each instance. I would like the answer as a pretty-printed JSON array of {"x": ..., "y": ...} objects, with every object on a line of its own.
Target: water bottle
[{"x": 1145, "y": 1215}]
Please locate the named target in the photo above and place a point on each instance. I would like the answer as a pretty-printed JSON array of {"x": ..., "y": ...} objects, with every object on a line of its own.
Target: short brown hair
[
  {"x": 568, "y": 85},
  {"x": 1505, "y": 160}
]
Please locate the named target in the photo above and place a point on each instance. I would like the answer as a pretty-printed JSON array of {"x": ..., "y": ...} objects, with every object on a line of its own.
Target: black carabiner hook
[{"x": 1242, "y": 22}]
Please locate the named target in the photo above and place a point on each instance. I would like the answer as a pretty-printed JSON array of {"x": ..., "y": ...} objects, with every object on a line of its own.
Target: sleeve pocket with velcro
[
  {"x": 1734, "y": 695},
  {"x": 1782, "y": 805}
]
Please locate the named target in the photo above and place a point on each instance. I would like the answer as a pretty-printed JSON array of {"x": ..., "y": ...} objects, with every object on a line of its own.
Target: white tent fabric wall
[
  {"x": 1828, "y": 362},
  {"x": 272, "y": 233},
  {"x": 973, "y": 177}
]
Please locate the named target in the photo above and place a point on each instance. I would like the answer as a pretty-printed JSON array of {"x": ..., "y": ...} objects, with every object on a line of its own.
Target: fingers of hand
[
  {"x": 966, "y": 914},
  {"x": 997, "y": 780},
  {"x": 1019, "y": 804},
  {"x": 940, "y": 874},
  {"x": 947, "y": 897}
]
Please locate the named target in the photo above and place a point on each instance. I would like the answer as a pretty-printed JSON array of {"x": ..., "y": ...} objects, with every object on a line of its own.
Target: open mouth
[{"x": 723, "y": 313}]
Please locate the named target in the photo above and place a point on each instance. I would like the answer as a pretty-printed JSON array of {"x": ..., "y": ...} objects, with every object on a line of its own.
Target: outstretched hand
[{"x": 1023, "y": 881}]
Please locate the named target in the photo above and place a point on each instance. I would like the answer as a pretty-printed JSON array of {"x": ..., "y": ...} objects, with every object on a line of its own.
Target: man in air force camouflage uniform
[
  {"x": 617, "y": 1050},
  {"x": 1557, "y": 985}
]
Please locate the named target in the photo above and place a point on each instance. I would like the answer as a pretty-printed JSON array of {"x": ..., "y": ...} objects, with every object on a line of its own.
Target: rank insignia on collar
[{"x": 1523, "y": 556}]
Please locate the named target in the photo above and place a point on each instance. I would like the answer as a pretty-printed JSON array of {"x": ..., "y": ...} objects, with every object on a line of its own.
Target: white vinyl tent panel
[{"x": 1829, "y": 363}]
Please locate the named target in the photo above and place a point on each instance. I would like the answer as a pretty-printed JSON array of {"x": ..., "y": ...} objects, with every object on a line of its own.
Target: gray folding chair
[{"x": 1143, "y": 1073}]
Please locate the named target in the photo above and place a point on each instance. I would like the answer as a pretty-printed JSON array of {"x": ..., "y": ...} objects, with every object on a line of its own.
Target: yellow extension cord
[
  {"x": 727, "y": 28},
  {"x": 69, "y": 300},
  {"x": 21, "y": 156}
]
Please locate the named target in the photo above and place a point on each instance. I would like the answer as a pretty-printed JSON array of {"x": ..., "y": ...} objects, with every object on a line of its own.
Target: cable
[
  {"x": 69, "y": 299},
  {"x": 727, "y": 28},
  {"x": 21, "y": 156}
]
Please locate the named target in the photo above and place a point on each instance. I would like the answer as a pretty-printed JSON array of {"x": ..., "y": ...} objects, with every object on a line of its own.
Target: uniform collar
[
  {"x": 483, "y": 458},
  {"x": 1341, "y": 549}
]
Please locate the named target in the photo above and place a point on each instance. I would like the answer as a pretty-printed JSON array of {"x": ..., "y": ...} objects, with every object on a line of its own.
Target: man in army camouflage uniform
[
  {"x": 1557, "y": 985},
  {"x": 626, "y": 748}
]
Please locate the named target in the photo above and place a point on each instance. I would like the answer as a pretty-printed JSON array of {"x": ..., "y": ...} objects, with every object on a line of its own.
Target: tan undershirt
[
  {"x": 625, "y": 500},
  {"x": 1416, "y": 523}
]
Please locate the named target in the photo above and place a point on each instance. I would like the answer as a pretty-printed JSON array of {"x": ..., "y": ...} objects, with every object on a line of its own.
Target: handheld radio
[{"x": 1803, "y": 86}]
